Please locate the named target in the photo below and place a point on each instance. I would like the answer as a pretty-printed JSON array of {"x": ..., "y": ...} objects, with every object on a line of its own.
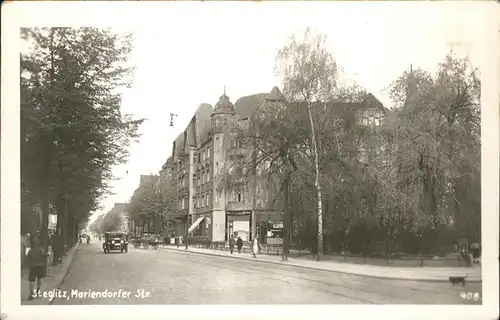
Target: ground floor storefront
[{"x": 219, "y": 226}]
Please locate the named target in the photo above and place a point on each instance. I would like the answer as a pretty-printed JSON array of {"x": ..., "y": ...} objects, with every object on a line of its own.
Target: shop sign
[
  {"x": 278, "y": 225},
  {"x": 239, "y": 213}
]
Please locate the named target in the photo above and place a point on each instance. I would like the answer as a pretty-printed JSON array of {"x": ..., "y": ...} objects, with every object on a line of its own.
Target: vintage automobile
[{"x": 115, "y": 241}]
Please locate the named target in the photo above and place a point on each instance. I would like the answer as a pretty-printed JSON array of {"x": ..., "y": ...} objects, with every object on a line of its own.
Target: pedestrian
[
  {"x": 231, "y": 244},
  {"x": 255, "y": 247},
  {"x": 36, "y": 264},
  {"x": 239, "y": 244},
  {"x": 475, "y": 250},
  {"x": 25, "y": 246}
]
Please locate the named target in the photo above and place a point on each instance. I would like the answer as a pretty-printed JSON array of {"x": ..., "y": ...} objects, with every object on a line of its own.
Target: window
[
  {"x": 208, "y": 153},
  {"x": 377, "y": 121},
  {"x": 239, "y": 196},
  {"x": 208, "y": 175}
]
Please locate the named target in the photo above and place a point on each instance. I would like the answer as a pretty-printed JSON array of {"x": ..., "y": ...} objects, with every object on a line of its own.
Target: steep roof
[
  {"x": 246, "y": 106},
  {"x": 372, "y": 102},
  {"x": 203, "y": 122},
  {"x": 275, "y": 95},
  {"x": 191, "y": 134},
  {"x": 178, "y": 146}
]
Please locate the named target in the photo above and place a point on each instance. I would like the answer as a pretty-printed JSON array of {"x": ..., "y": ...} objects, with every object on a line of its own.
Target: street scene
[
  {"x": 287, "y": 170},
  {"x": 191, "y": 278}
]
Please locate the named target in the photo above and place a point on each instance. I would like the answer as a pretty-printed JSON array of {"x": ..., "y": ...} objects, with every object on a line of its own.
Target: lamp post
[
  {"x": 187, "y": 218},
  {"x": 187, "y": 229}
]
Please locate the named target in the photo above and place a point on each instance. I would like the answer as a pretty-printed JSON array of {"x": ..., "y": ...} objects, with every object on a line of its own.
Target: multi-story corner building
[{"x": 200, "y": 156}]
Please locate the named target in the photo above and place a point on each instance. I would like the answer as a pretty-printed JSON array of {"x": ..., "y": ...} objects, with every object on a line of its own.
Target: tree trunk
[
  {"x": 254, "y": 180},
  {"x": 45, "y": 224},
  {"x": 290, "y": 223},
  {"x": 67, "y": 231},
  {"x": 65, "y": 225},
  {"x": 286, "y": 213},
  {"x": 317, "y": 183}
]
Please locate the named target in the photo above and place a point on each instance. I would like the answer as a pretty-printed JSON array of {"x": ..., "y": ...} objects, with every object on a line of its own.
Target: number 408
[{"x": 470, "y": 296}]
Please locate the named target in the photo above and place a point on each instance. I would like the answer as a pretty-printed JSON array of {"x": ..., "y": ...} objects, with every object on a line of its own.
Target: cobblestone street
[{"x": 187, "y": 278}]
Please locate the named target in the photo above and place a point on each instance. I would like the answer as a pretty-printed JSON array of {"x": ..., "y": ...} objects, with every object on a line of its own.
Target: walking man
[
  {"x": 36, "y": 264},
  {"x": 231, "y": 244},
  {"x": 239, "y": 244}
]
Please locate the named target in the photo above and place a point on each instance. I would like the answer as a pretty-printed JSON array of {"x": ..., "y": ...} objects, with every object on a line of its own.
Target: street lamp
[{"x": 172, "y": 115}]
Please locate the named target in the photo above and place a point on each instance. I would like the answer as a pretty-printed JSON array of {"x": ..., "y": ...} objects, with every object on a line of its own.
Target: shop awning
[{"x": 195, "y": 224}]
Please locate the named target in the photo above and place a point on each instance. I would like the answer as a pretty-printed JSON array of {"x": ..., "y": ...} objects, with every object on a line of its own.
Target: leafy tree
[
  {"x": 156, "y": 200},
  {"x": 310, "y": 78},
  {"x": 435, "y": 143},
  {"x": 112, "y": 221},
  {"x": 95, "y": 226},
  {"x": 72, "y": 129}
]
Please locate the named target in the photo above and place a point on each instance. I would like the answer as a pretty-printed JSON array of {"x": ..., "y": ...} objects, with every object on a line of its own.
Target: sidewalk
[
  {"x": 397, "y": 273},
  {"x": 52, "y": 280}
]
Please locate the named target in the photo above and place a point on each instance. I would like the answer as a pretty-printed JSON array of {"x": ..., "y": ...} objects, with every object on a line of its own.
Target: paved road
[{"x": 186, "y": 278}]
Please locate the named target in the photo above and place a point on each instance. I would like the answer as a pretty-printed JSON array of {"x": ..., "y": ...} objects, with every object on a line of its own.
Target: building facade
[{"x": 202, "y": 153}]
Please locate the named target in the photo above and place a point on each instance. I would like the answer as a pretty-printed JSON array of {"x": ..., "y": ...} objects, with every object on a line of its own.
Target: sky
[{"x": 186, "y": 53}]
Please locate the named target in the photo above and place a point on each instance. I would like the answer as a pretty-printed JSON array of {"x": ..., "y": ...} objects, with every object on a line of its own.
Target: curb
[
  {"x": 322, "y": 269},
  {"x": 57, "y": 280}
]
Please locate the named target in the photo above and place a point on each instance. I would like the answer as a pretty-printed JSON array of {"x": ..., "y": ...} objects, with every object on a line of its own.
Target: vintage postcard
[{"x": 253, "y": 159}]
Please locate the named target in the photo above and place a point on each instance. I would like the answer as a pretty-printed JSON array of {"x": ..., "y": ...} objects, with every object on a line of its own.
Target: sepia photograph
[{"x": 249, "y": 153}]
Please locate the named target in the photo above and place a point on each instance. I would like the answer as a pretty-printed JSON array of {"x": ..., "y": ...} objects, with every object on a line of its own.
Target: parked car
[{"x": 115, "y": 241}]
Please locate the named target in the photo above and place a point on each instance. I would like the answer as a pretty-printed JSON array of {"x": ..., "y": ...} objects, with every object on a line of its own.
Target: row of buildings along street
[{"x": 201, "y": 155}]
